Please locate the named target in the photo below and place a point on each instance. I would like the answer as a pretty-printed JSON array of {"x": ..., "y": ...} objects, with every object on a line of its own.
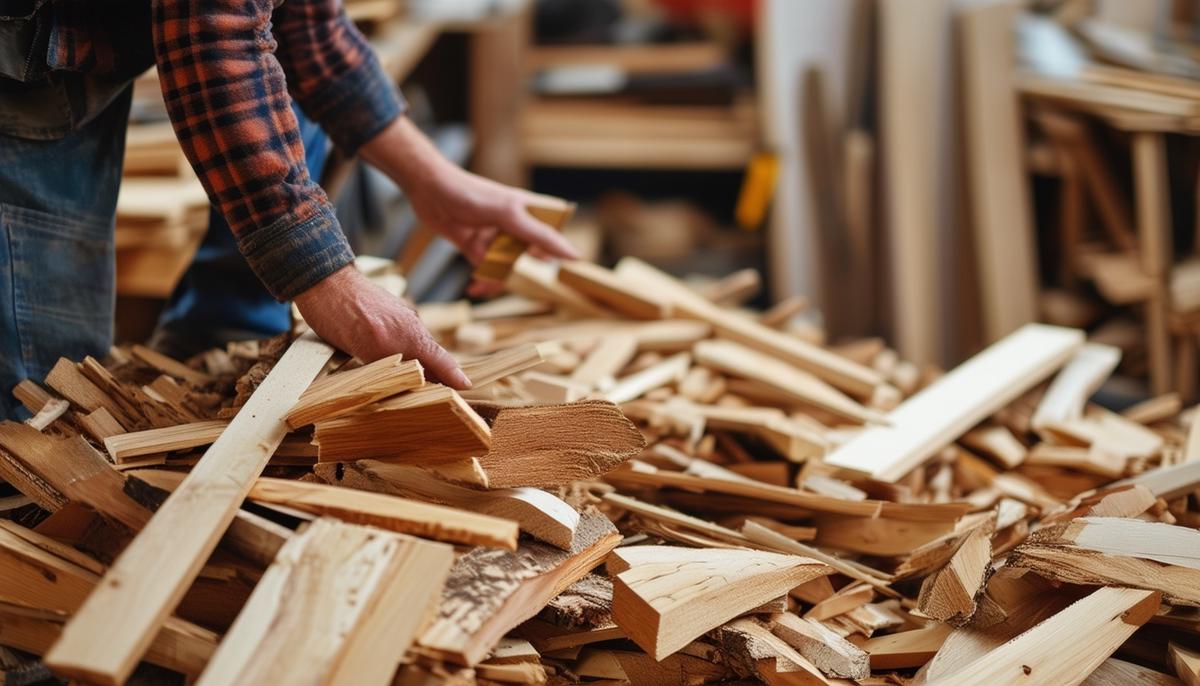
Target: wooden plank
[
  {"x": 664, "y": 597},
  {"x": 849, "y": 377},
  {"x": 539, "y": 514},
  {"x": 1001, "y": 211},
  {"x": 1167, "y": 483},
  {"x": 607, "y": 288},
  {"x": 507, "y": 362},
  {"x": 338, "y": 394},
  {"x": 169, "y": 366},
  {"x": 1096, "y": 626},
  {"x": 126, "y": 446},
  {"x": 947, "y": 408},
  {"x": 184, "y": 531},
  {"x": 328, "y": 610},
  {"x": 433, "y": 424},
  {"x": 739, "y": 360},
  {"x": 549, "y": 446},
  {"x": 491, "y": 591},
  {"x": 1185, "y": 662},
  {"x": 906, "y": 649},
  {"x": 1069, "y": 391},
  {"x": 634, "y": 386}
]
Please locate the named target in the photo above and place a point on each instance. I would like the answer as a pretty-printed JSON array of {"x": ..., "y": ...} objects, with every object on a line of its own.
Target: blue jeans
[{"x": 57, "y": 260}]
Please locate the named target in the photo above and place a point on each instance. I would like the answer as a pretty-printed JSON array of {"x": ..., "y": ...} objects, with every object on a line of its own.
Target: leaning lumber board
[
  {"x": 338, "y": 394},
  {"x": 491, "y": 591},
  {"x": 739, "y": 360},
  {"x": 825, "y": 648},
  {"x": 855, "y": 379},
  {"x": 1001, "y": 211},
  {"x": 539, "y": 514},
  {"x": 664, "y": 597},
  {"x": 433, "y": 424},
  {"x": 331, "y": 590},
  {"x": 184, "y": 531},
  {"x": 607, "y": 288},
  {"x": 124, "y": 447},
  {"x": 949, "y": 594},
  {"x": 1093, "y": 627},
  {"x": 947, "y": 408},
  {"x": 548, "y": 446},
  {"x": 1069, "y": 391}
]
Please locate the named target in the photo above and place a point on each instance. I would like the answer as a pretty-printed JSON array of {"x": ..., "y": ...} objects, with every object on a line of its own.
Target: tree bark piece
[
  {"x": 340, "y": 605},
  {"x": 491, "y": 591}
]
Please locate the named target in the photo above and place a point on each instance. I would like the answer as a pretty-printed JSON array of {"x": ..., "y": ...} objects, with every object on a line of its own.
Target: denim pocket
[{"x": 62, "y": 290}]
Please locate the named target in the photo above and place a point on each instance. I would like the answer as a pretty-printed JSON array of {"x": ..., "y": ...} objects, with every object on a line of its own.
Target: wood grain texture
[
  {"x": 341, "y": 393},
  {"x": 184, "y": 531},
  {"x": 332, "y": 589}
]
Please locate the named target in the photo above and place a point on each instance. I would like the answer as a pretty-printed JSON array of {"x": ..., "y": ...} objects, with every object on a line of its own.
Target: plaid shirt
[{"x": 229, "y": 69}]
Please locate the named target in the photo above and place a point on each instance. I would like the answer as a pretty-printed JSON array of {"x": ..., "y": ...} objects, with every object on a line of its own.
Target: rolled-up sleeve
[
  {"x": 228, "y": 101},
  {"x": 333, "y": 73}
]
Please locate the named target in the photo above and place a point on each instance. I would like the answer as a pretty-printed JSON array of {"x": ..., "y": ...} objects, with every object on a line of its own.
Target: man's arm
[{"x": 227, "y": 99}]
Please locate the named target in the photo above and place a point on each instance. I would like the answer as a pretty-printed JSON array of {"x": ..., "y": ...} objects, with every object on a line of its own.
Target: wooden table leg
[{"x": 1154, "y": 243}]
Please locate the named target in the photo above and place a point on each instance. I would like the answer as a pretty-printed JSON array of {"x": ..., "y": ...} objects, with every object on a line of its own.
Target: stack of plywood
[{"x": 643, "y": 487}]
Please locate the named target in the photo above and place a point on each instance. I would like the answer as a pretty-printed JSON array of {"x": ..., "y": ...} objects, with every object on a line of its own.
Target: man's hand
[
  {"x": 353, "y": 314},
  {"x": 467, "y": 209}
]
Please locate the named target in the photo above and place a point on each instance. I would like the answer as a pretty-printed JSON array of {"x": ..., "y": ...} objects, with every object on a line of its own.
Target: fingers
[
  {"x": 522, "y": 225},
  {"x": 440, "y": 365}
]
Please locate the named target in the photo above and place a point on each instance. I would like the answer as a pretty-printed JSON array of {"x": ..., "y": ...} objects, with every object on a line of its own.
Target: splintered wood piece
[
  {"x": 847, "y": 376},
  {"x": 126, "y": 446},
  {"x": 1093, "y": 627},
  {"x": 997, "y": 442},
  {"x": 607, "y": 358},
  {"x": 338, "y": 394},
  {"x": 1093, "y": 460},
  {"x": 825, "y": 648},
  {"x": 753, "y": 651},
  {"x": 1113, "y": 671},
  {"x": 1109, "y": 432},
  {"x": 169, "y": 366},
  {"x": 607, "y": 288},
  {"x": 665, "y": 597},
  {"x": 1069, "y": 391},
  {"x": 100, "y": 424},
  {"x": 388, "y": 512},
  {"x": 539, "y": 514},
  {"x": 795, "y": 441},
  {"x": 906, "y": 649},
  {"x": 1155, "y": 409},
  {"x": 31, "y": 395},
  {"x": 538, "y": 279},
  {"x": 51, "y": 411},
  {"x": 490, "y": 591},
  {"x": 184, "y": 531},
  {"x": 1167, "y": 483},
  {"x": 73, "y": 468},
  {"x": 498, "y": 365},
  {"x": 37, "y": 571},
  {"x": 634, "y": 386},
  {"x": 739, "y": 360},
  {"x": 552, "y": 388},
  {"x": 339, "y": 605},
  {"x": 505, "y": 250},
  {"x": 949, "y": 594},
  {"x": 1186, "y": 663},
  {"x": 948, "y": 407},
  {"x": 1170, "y": 545},
  {"x": 433, "y": 424},
  {"x": 678, "y": 519},
  {"x": 548, "y": 446},
  {"x": 70, "y": 383},
  {"x": 142, "y": 411}
]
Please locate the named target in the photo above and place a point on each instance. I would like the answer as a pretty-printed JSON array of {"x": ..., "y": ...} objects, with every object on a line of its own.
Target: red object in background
[{"x": 741, "y": 11}]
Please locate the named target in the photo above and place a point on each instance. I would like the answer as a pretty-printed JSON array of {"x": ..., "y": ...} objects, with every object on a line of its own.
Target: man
[{"x": 229, "y": 71}]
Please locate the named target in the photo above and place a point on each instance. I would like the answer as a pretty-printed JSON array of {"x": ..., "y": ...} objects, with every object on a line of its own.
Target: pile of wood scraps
[{"x": 642, "y": 487}]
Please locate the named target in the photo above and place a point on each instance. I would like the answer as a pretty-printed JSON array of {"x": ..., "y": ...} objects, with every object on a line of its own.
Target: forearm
[{"x": 406, "y": 156}]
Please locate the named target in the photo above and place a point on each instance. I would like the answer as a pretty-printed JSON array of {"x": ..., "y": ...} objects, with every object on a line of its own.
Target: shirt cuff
[
  {"x": 289, "y": 257},
  {"x": 356, "y": 107}
]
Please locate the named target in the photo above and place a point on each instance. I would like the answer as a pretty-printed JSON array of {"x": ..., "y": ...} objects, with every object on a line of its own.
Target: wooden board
[
  {"x": 183, "y": 532},
  {"x": 664, "y": 597},
  {"x": 331, "y": 609},
  {"x": 1094, "y": 627},
  {"x": 607, "y": 288},
  {"x": 1001, "y": 211},
  {"x": 947, "y": 408},
  {"x": 126, "y": 446}
]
